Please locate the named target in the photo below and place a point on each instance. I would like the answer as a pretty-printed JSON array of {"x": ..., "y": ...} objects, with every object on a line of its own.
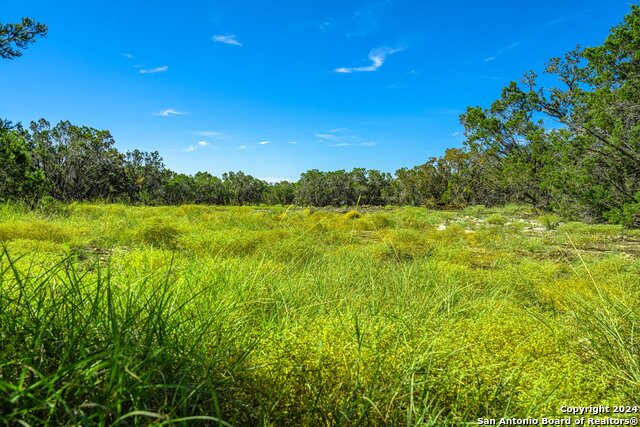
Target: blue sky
[{"x": 274, "y": 88}]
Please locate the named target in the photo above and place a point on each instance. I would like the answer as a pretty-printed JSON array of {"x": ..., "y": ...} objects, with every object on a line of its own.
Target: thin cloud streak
[
  {"x": 170, "y": 112},
  {"x": 327, "y": 136},
  {"x": 154, "y": 70},
  {"x": 502, "y": 51},
  {"x": 377, "y": 57},
  {"x": 209, "y": 134},
  {"x": 226, "y": 39},
  {"x": 348, "y": 144}
]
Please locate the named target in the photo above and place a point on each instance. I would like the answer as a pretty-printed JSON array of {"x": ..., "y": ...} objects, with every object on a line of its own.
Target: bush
[{"x": 629, "y": 215}]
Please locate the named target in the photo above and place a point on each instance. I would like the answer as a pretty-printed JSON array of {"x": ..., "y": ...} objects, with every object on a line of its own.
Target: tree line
[{"x": 571, "y": 148}]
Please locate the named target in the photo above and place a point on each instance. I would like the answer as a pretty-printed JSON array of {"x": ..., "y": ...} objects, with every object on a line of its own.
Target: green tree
[
  {"x": 16, "y": 37},
  {"x": 242, "y": 189},
  {"x": 598, "y": 101},
  {"x": 507, "y": 145},
  {"x": 81, "y": 162},
  {"x": 19, "y": 179},
  {"x": 146, "y": 176},
  {"x": 208, "y": 189},
  {"x": 311, "y": 189},
  {"x": 280, "y": 193},
  {"x": 180, "y": 189}
]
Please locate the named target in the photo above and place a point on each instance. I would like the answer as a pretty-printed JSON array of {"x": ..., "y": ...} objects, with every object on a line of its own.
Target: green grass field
[{"x": 284, "y": 316}]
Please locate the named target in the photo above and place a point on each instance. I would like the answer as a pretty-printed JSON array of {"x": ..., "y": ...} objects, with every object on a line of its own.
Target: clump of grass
[
  {"x": 475, "y": 210},
  {"x": 352, "y": 214},
  {"x": 50, "y": 207},
  {"x": 549, "y": 221},
  {"x": 381, "y": 220},
  {"x": 608, "y": 324},
  {"x": 159, "y": 234},
  {"x": 608, "y": 327},
  {"x": 91, "y": 352},
  {"x": 36, "y": 230},
  {"x": 496, "y": 219}
]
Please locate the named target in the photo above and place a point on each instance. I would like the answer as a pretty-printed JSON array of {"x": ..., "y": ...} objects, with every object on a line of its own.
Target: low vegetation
[{"x": 283, "y": 316}]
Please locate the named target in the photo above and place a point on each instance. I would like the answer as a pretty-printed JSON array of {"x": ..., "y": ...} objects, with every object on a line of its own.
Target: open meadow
[{"x": 284, "y": 316}]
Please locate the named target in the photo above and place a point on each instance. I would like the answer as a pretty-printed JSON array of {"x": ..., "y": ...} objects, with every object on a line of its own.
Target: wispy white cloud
[
  {"x": 263, "y": 142},
  {"x": 198, "y": 146},
  {"x": 128, "y": 55},
  {"x": 154, "y": 70},
  {"x": 327, "y": 136},
  {"x": 343, "y": 137},
  {"x": 292, "y": 142},
  {"x": 502, "y": 51},
  {"x": 209, "y": 134},
  {"x": 242, "y": 147},
  {"x": 169, "y": 112},
  {"x": 563, "y": 19},
  {"x": 348, "y": 144},
  {"x": 226, "y": 39},
  {"x": 327, "y": 24},
  {"x": 377, "y": 57}
]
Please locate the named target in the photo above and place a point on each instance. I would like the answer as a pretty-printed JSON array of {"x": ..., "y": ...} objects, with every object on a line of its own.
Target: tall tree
[
  {"x": 19, "y": 178},
  {"x": 81, "y": 162},
  {"x": 598, "y": 101}
]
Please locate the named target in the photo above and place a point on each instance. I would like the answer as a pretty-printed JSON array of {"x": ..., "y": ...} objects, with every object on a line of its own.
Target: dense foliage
[{"x": 587, "y": 166}]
